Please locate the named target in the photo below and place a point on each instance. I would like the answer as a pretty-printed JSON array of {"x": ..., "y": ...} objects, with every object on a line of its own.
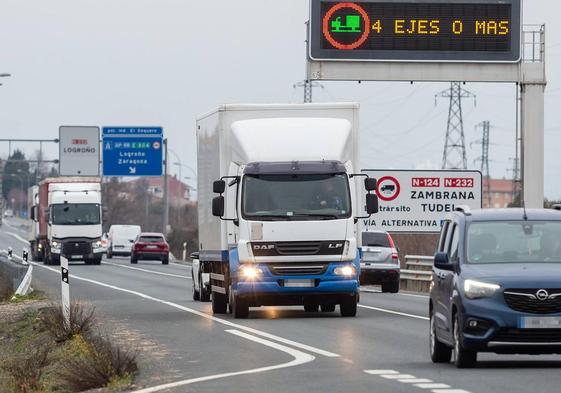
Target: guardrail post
[{"x": 65, "y": 282}]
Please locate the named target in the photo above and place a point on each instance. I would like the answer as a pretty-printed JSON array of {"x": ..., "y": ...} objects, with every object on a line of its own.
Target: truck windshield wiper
[
  {"x": 316, "y": 215},
  {"x": 270, "y": 217}
]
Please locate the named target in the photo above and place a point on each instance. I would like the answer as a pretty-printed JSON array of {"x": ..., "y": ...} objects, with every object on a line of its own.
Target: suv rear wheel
[{"x": 439, "y": 352}]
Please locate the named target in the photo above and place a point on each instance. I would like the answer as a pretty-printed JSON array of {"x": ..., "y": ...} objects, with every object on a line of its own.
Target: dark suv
[{"x": 496, "y": 285}]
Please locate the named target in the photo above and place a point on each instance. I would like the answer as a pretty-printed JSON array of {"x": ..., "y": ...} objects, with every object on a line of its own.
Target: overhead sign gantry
[{"x": 452, "y": 30}]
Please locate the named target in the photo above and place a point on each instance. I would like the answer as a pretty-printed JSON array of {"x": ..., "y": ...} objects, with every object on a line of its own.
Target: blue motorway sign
[{"x": 132, "y": 151}]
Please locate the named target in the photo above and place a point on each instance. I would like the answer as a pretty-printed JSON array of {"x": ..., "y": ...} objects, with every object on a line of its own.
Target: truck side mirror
[
  {"x": 218, "y": 206},
  {"x": 371, "y": 204},
  {"x": 219, "y": 186},
  {"x": 370, "y": 184}
]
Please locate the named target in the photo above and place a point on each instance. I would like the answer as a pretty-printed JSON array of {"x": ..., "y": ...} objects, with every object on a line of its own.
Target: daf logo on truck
[{"x": 264, "y": 247}]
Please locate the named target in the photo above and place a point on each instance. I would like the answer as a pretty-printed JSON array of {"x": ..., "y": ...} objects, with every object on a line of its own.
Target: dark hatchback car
[
  {"x": 150, "y": 246},
  {"x": 496, "y": 285}
]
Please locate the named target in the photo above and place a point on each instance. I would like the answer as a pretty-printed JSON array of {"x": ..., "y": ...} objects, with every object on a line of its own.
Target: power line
[
  {"x": 454, "y": 156},
  {"x": 484, "y": 158},
  {"x": 308, "y": 86}
]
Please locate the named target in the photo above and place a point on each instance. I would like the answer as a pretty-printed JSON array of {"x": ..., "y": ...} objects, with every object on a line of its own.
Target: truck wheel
[
  {"x": 196, "y": 294},
  {"x": 219, "y": 303},
  {"x": 240, "y": 309},
  {"x": 327, "y": 307},
  {"x": 96, "y": 261},
  {"x": 204, "y": 293},
  {"x": 311, "y": 307},
  {"x": 390, "y": 287},
  {"x": 349, "y": 306}
]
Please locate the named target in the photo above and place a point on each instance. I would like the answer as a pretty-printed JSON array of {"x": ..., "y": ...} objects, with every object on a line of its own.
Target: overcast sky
[{"x": 163, "y": 62}]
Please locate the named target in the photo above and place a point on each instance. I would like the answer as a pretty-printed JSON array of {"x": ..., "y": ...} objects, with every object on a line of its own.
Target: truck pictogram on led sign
[
  {"x": 417, "y": 201},
  {"x": 422, "y": 30}
]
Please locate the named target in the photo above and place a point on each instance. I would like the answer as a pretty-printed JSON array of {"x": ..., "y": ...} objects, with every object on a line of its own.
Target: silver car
[{"x": 380, "y": 261}]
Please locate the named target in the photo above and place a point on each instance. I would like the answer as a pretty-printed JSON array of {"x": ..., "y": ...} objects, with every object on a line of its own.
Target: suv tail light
[{"x": 395, "y": 254}]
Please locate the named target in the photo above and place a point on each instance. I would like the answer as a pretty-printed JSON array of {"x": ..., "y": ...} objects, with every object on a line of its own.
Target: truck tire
[
  {"x": 349, "y": 306},
  {"x": 327, "y": 307},
  {"x": 311, "y": 307},
  {"x": 240, "y": 308},
  {"x": 96, "y": 261},
  {"x": 196, "y": 294},
  {"x": 203, "y": 291},
  {"x": 219, "y": 303},
  {"x": 390, "y": 287}
]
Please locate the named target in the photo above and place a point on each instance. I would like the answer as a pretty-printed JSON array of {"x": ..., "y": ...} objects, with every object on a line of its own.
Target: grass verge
[{"x": 40, "y": 353}]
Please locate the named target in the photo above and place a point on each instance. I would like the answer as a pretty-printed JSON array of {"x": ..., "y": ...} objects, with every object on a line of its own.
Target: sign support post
[{"x": 65, "y": 283}]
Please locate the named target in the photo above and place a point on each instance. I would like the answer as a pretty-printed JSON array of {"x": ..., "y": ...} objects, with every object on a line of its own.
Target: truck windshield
[
  {"x": 76, "y": 214},
  {"x": 514, "y": 242},
  {"x": 296, "y": 197}
]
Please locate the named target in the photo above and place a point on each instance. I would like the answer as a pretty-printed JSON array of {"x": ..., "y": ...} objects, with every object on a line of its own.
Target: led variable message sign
[{"x": 422, "y": 30}]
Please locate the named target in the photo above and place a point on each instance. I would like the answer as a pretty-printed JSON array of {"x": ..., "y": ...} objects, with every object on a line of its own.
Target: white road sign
[
  {"x": 417, "y": 201},
  {"x": 79, "y": 151}
]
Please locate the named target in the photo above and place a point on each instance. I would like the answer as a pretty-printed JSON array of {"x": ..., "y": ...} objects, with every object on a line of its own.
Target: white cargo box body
[{"x": 279, "y": 136}]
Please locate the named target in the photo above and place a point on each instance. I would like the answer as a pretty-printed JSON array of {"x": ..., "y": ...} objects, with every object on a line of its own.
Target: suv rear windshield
[
  {"x": 371, "y": 239},
  {"x": 151, "y": 239},
  {"x": 514, "y": 241}
]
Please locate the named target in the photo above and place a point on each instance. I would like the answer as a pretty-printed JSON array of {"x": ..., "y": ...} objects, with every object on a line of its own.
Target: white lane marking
[
  {"x": 432, "y": 386},
  {"x": 417, "y": 380},
  {"x": 296, "y": 344},
  {"x": 450, "y": 391},
  {"x": 398, "y": 376},
  {"x": 399, "y": 293},
  {"x": 21, "y": 239},
  {"x": 299, "y": 359},
  {"x": 146, "y": 270},
  {"x": 381, "y": 372},
  {"x": 395, "y": 312}
]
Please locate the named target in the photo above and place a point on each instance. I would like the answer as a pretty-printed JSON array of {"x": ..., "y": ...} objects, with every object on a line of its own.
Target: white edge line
[
  {"x": 201, "y": 314},
  {"x": 395, "y": 312},
  {"x": 146, "y": 270},
  {"x": 299, "y": 359},
  {"x": 21, "y": 239},
  {"x": 381, "y": 372}
]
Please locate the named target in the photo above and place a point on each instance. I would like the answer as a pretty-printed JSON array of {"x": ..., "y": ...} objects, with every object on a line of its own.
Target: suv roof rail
[
  {"x": 463, "y": 209},
  {"x": 557, "y": 207}
]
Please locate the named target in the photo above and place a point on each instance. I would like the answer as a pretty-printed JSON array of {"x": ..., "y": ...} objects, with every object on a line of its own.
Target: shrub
[
  {"x": 82, "y": 320},
  {"x": 27, "y": 364},
  {"x": 97, "y": 363}
]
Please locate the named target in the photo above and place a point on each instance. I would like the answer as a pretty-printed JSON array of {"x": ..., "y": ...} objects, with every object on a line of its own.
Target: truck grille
[
  {"x": 528, "y": 335},
  {"x": 76, "y": 248},
  {"x": 526, "y": 300},
  {"x": 298, "y": 248},
  {"x": 297, "y": 269}
]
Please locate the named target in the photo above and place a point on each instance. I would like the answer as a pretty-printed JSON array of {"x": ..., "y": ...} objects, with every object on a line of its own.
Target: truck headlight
[
  {"x": 346, "y": 270},
  {"x": 477, "y": 290},
  {"x": 97, "y": 244},
  {"x": 249, "y": 272},
  {"x": 55, "y": 245}
]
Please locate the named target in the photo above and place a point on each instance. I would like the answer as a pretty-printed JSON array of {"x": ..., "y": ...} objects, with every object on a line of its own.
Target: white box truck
[
  {"x": 279, "y": 201},
  {"x": 66, "y": 220}
]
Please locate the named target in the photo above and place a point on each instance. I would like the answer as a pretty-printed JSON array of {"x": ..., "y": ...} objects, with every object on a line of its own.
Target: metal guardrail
[{"x": 418, "y": 273}]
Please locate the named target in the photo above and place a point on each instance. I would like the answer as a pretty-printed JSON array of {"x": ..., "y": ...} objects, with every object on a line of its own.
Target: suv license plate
[
  {"x": 299, "y": 283},
  {"x": 540, "y": 322}
]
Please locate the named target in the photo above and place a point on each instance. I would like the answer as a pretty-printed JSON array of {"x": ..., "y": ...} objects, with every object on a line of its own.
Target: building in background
[
  {"x": 500, "y": 191},
  {"x": 179, "y": 192}
]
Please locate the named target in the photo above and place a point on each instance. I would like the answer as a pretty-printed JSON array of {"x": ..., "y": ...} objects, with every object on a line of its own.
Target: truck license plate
[
  {"x": 299, "y": 283},
  {"x": 540, "y": 322}
]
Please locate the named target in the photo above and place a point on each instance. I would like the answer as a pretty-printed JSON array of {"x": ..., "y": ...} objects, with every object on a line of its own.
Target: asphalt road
[{"x": 384, "y": 349}]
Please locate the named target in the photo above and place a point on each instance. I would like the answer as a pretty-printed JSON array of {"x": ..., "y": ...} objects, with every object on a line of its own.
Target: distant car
[
  {"x": 8, "y": 213},
  {"x": 380, "y": 261},
  {"x": 496, "y": 285},
  {"x": 201, "y": 280},
  {"x": 150, "y": 246},
  {"x": 121, "y": 238}
]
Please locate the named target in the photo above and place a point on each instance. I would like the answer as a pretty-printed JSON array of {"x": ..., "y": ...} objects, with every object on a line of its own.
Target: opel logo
[{"x": 542, "y": 295}]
